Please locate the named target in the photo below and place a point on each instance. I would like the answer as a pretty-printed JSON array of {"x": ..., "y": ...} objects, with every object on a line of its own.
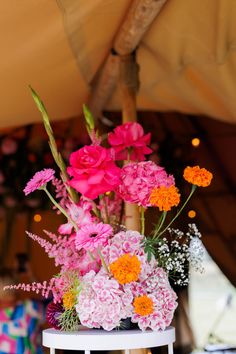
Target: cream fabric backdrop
[{"x": 187, "y": 58}]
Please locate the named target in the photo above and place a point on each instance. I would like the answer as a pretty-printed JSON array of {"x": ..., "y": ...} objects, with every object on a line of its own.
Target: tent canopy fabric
[{"x": 187, "y": 57}]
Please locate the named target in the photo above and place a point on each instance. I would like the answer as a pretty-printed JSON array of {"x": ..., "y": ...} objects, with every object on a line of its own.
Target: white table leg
[
  {"x": 87, "y": 352},
  {"x": 52, "y": 351},
  {"x": 170, "y": 348},
  {"x": 126, "y": 351}
]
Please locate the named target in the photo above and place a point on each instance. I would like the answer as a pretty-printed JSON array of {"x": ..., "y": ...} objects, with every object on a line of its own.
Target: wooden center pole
[{"x": 129, "y": 84}]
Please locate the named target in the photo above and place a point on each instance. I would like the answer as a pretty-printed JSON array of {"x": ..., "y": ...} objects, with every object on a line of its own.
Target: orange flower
[
  {"x": 198, "y": 176},
  {"x": 126, "y": 268},
  {"x": 165, "y": 197},
  {"x": 143, "y": 305},
  {"x": 69, "y": 299}
]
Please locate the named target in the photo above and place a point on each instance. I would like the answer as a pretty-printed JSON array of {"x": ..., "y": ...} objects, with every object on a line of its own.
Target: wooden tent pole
[
  {"x": 136, "y": 23},
  {"x": 129, "y": 84}
]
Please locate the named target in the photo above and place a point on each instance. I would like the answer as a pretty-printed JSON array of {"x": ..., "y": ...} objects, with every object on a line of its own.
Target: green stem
[
  {"x": 60, "y": 208},
  {"x": 129, "y": 154},
  {"x": 91, "y": 255},
  {"x": 160, "y": 224},
  {"x": 103, "y": 261},
  {"x": 142, "y": 220},
  {"x": 180, "y": 210},
  {"x": 106, "y": 209},
  {"x": 53, "y": 146}
]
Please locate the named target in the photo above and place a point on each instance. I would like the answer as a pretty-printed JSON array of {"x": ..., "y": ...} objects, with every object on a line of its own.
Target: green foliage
[
  {"x": 149, "y": 248},
  {"x": 88, "y": 118},
  {"x": 69, "y": 320},
  {"x": 52, "y": 143}
]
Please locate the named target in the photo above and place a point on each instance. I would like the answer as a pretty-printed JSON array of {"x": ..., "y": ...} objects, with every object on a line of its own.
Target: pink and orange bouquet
[{"x": 109, "y": 275}]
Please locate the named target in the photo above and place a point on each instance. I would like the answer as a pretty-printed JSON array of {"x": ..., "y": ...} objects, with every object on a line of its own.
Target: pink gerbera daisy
[
  {"x": 92, "y": 236},
  {"x": 38, "y": 180}
]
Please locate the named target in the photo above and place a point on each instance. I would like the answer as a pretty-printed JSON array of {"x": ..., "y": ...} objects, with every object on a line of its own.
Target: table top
[{"x": 96, "y": 339}]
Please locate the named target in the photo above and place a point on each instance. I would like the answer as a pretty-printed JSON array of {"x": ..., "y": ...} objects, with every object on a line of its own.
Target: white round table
[{"x": 90, "y": 339}]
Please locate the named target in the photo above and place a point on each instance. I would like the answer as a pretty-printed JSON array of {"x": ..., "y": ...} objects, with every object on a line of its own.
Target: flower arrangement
[{"x": 109, "y": 275}]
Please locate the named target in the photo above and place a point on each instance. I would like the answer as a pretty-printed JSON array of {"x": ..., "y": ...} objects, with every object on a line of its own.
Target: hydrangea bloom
[
  {"x": 157, "y": 288},
  {"x": 139, "y": 179},
  {"x": 39, "y": 179},
  {"x": 102, "y": 302},
  {"x": 130, "y": 137},
  {"x": 122, "y": 243},
  {"x": 101, "y": 295}
]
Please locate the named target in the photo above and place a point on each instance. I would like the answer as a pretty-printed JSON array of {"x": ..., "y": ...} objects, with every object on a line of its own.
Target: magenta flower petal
[
  {"x": 53, "y": 313},
  {"x": 38, "y": 180},
  {"x": 138, "y": 180},
  {"x": 129, "y": 136},
  {"x": 93, "y": 171},
  {"x": 92, "y": 236}
]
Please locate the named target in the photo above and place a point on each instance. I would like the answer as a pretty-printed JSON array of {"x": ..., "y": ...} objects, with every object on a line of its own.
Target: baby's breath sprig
[{"x": 178, "y": 253}]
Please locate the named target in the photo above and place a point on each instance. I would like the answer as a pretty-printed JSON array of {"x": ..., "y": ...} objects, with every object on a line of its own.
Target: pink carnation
[
  {"x": 92, "y": 236},
  {"x": 130, "y": 137},
  {"x": 39, "y": 179},
  {"x": 138, "y": 180},
  {"x": 93, "y": 171}
]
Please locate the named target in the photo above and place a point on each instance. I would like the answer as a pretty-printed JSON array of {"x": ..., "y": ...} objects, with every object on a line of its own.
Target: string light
[
  {"x": 37, "y": 217},
  {"x": 196, "y": 142},
  {"x": 191, "y": 214}
]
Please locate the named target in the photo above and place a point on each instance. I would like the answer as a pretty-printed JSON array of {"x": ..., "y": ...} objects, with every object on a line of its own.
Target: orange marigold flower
[
  {"x": 165, "y": 197},
  {"x": 126, "y": 268},
  {"x": 69, "y": 299},
  {"x": 143, "y": 305},
  {"x": 198, "y": 176}
]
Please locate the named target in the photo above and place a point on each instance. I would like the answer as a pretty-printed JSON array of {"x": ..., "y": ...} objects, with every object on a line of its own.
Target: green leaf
[
  {"x": 149, "y": 248},
  {"x": 52, "y": 143},
  {"x": 38, "y": 101},
  {"x": 88, "y": 118}
]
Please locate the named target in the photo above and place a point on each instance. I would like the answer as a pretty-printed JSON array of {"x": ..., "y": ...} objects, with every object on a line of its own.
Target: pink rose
[
  {"x": 129, "y": 137},
  {"x": 93, "y": 171}
]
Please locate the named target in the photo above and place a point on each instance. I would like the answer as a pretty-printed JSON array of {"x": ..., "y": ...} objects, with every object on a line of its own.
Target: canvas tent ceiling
[{"x": 187, "y": 57}]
